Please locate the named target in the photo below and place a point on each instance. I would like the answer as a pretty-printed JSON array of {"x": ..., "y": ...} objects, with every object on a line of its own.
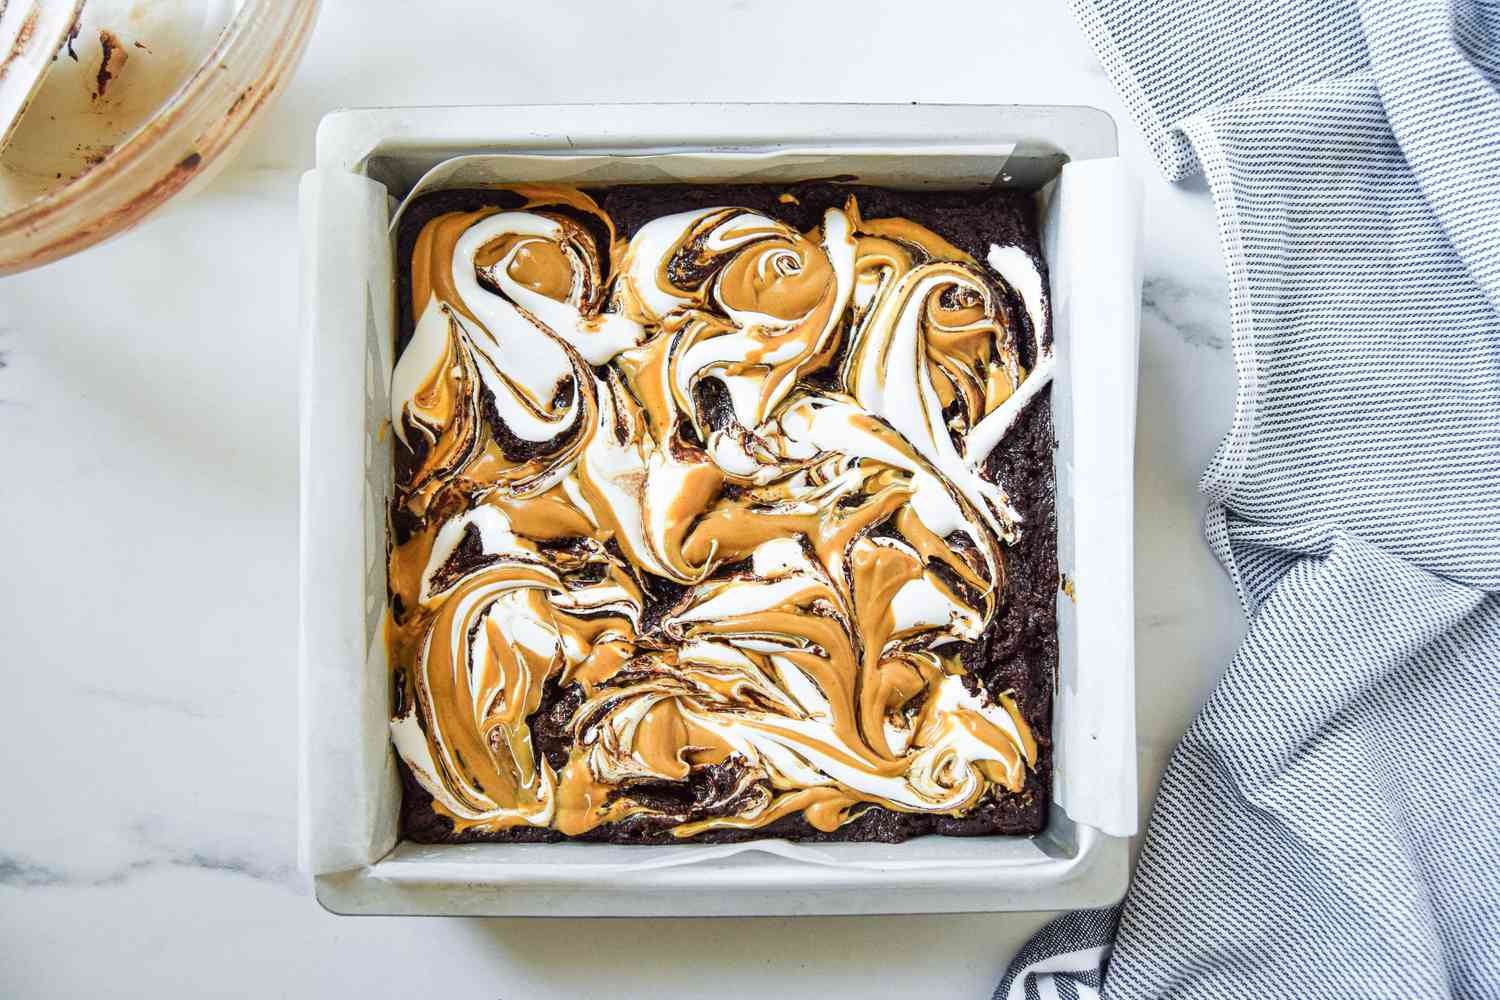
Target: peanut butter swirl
[{"x": 723, "y": 481}]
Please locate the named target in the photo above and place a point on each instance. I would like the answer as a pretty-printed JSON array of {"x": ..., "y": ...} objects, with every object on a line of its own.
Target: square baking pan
[{"x": 369, "y": 161}]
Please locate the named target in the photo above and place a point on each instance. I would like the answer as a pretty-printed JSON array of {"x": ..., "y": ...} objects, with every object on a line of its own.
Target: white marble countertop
[{"x": 148, "y": 517}]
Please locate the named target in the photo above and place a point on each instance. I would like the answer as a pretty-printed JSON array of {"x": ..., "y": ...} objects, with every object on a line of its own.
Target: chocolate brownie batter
[{"x": 1016, "y": 654}]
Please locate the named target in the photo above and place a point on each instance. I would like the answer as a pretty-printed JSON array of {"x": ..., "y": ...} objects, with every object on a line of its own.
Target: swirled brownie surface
[{"x": 721, "y": 512}]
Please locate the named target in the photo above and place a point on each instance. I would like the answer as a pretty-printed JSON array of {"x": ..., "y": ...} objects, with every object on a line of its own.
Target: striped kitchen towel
[{"x": 1330, "y": 823}]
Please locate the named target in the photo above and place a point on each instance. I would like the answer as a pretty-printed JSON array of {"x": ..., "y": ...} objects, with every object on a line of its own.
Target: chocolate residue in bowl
[{"x": 111, "y": 61}]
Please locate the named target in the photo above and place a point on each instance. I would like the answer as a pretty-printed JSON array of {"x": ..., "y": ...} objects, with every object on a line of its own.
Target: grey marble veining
[
  {"x": 1193, "y": 311},
  {"x": 20, "y": 873},
  {"x": 137, "y": 701}
]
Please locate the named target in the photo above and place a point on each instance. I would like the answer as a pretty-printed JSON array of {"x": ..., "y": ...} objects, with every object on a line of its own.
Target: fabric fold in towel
[{"x": 1330, "y": 823}]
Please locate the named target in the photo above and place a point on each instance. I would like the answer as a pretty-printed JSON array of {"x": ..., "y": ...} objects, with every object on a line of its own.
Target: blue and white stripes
[{"x": 1330, "y": 824}]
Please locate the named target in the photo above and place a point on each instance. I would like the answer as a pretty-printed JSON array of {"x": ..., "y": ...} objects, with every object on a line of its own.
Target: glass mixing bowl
[{"x": 176, "y": 148}]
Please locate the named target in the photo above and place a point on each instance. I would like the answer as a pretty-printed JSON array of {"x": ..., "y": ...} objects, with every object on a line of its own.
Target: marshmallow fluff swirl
[{"x": 713, "y": 496}]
